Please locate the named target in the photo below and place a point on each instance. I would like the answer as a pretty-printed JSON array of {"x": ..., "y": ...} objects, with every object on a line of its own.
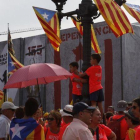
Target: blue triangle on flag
[{"x": 46, "y": 14}]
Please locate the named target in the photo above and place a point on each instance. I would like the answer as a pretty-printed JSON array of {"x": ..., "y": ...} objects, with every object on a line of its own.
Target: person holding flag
[{"x": 27, "y": 128}]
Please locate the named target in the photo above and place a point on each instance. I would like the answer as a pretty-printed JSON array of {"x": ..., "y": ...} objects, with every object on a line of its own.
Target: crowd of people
[{"x": 74, "y": 122}]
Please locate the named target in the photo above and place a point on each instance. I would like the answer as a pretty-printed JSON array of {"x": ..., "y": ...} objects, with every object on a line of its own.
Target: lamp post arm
[{"x": 69, "y": 14}]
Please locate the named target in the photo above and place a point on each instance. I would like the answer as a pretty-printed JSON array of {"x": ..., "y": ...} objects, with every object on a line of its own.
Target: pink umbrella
[{"x": 41, "y": 73}]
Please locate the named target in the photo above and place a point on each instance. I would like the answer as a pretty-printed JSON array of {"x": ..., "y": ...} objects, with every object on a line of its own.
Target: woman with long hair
[
  {"x": 53, "y": 128},
  {"x": 100, "y": 131}
]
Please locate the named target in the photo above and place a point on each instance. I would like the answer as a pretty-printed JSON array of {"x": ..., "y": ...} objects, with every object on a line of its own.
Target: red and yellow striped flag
[
  {"x": 1, "y": 95},
  {"x": 50, "y": 23},
  {"x": 133, "y": 10},
  {"x": 114, "y": 17},
  {"x": 94, "y": 42}
]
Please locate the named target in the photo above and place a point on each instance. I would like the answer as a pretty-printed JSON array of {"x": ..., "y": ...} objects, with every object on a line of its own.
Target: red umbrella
[{"x": 41, "y": 73}]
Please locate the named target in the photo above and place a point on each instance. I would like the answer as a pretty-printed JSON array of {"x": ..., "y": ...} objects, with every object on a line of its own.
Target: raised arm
[
  {"x": 83, "y": 74},
  {"x": 79, "y": 80}
]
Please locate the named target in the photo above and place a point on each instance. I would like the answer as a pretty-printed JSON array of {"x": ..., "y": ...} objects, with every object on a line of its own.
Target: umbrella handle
[{"x": 38, "y": 92}]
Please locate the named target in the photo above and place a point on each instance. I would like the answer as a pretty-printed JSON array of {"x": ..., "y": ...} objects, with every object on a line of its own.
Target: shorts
[
  {"x": 97, "y": 96},
  {"x": 76, "y": 98}
]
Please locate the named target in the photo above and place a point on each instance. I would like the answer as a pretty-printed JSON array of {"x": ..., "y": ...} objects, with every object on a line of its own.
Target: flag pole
[{"x": 7, "y": 59}]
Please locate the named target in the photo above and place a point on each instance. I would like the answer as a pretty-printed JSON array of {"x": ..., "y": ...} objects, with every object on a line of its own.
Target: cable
[{"x": 21, "y": 31}]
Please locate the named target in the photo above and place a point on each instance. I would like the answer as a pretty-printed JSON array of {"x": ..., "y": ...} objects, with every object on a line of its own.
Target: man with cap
[
  {"x": 67, "y": 118},
  {"x": 66, "y": 114},
  {"x": 78, "y": 128},
  {"x": 120, "y": 116},
  {"x": 8, "y": 110}
]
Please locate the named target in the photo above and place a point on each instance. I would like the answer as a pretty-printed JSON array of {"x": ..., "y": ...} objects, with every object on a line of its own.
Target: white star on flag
[
  {"x": 12, "y": 64},
  {"x": 16, "y": 131},
  {"x": 45, "y": 15}
]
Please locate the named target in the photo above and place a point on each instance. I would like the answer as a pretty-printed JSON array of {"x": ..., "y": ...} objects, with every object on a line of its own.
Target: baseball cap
[
  {"x": 8, "y": 105},
  {"x": 121, "y": 106},
  {"x": 131, "y": 115},
  {"x": 80, "y": 106},
  {"x": 67, "y": 111}
]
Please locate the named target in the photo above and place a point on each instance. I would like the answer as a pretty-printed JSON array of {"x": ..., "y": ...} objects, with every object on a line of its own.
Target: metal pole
[
  {"x": 86, "y": 23},
  {"x": 7, "y": 59}
]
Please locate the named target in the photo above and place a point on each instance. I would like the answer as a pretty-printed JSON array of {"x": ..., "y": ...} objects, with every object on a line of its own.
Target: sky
[{"x": 20, "y": 15}]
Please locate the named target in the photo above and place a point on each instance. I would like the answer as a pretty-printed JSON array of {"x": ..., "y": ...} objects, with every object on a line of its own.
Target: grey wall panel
[
  {"x": 49, "y": 57},
  {"x": 132, "y": 64}
]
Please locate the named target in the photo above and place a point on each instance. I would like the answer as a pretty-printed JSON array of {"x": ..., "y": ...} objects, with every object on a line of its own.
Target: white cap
[
  {"x": 67, "y": 111},
  {"x": 8, "y": 105}
]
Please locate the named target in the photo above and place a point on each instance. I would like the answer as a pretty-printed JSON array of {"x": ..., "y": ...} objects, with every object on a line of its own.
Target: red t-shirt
[
  {"x": 137, "y": 135},
  {"x": 104, "y": 132},
  {"x": 45, "y": 126},
  {"x": 62, "y": 122},
  {"x": 51, "y": 136},
  {"x": 127, "y": 135},
  {"x": 76, "y": 87},
  {"x": 62, "y": 131},
  {"x": 124, "y": 125},
  {"x": 95, "y": 77}
]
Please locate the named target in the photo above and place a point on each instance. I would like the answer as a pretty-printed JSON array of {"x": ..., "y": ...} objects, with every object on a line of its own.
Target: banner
[
  {"x": 34, "y": 53},
  {"x": 3, "y": 67}
]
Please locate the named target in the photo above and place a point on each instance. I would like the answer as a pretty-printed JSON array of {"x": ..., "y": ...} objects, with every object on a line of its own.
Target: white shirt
[
  {"x": 77, "y": 130},
  {"x": 4, "y": 126}
]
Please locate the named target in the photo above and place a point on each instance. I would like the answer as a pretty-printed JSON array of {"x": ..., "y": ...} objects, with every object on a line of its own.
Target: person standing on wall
[
  {"x": 76, "y": 82},
  {"x": 95, "y": 76}
]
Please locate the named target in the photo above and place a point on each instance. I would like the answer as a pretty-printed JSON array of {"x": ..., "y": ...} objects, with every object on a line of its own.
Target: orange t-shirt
[
  {"x": 137, "y": 135},
  {"x": 76, "y": 87},
  {"x": 104, "y": 132},
  {"x": 124, "y": 125},
  {"x": 51, "y": 136},
  {"x": 62, "y": 131},
  {"x": 95, "y": 76},
  {"x": 45, "y": 126},
  {"x": 127, "y": 135}
]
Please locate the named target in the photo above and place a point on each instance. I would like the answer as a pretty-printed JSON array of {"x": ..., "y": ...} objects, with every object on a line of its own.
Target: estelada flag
[
  {"x": 26, "y": 129},
  {"x": 13, "y": 64},
  {"x": 50, "y": 23},
  {"x": 10, "y": 44},
  {"x": 133, "y": 10},
  {"x": 1, "y": 95},
  {"x": 94, "y": 42},
  {"x": 114, "y": 17}
]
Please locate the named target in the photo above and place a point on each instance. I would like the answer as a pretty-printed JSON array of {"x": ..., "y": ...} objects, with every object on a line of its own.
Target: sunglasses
[
  {"x": 50, "y": 119},
  {"x": 134, "y": 107}
]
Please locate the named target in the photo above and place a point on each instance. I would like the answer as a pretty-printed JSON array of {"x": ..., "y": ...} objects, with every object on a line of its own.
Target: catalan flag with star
[
  {"x": 13, "y": 63},
  {"x": 114, "y": 17},
  {"x": 10, "y": 44},
  {"x": 50, "y": 23},
  {"x": 26, "y": 129},
  {"x": 94, "y": 42},
  {"x": 133, "y": 10}
]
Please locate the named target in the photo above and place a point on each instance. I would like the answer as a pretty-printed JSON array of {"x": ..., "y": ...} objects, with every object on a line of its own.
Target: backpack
[{"x": 115, "y": 126}]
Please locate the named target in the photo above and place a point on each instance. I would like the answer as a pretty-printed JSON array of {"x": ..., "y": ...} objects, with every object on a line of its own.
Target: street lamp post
[{"x": 86, "y": 13}]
